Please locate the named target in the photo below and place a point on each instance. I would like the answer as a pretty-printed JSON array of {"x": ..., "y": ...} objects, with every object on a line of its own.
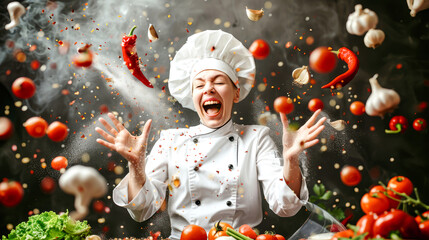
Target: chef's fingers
[
  {"x": 310, "y": 121},
  {"x": 108, "y": 126},
  {"x": 318, "y": 124},
  {"x": 284, "y": 121},
  {"x": 115, "y": 121},
  {"x": 106, "y": 144},
  {"x": 310, "y": 143},
  {"x": 106, "y": 136},
  {"x": 145, "y": 134},
  {"x": 315, "y": 133}
]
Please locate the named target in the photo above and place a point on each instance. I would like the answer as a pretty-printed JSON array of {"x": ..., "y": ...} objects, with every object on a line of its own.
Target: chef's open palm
[
  {"x": 294, "y": 142},
  {"x": 119, "y": 139}
]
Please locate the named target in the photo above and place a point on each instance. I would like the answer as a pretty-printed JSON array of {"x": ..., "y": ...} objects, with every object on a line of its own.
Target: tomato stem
[{"x": 407, "y": 199}]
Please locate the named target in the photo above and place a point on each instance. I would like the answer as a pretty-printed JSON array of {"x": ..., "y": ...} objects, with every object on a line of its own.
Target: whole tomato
[
  {"x": 365, "y": 225},
  {"x": 6, "y": 128},
  {"x": 397, "y": 124},
  {"x": 357, "y": 108},
  {"x": 315, "y": 104},
  {"x": 419, "y": 124},
  {"x": 350, "y": 176},
  {"x": 23, "y": 88},
  {"x": 36, "y": 127},
  {"x": 193, "y": 232},
  {"x": 423, "y": 224},
  {"x": 393, "y": 203},
  {"x": 396, "y": 221},
  {"x": 57, "y": 131},
  {"x": 265, "y": 237},
  {"x": 247, "y": 231},
  {"x": 401, "y": 184},
  {"x": 279, "y": 237},
  {"x": 425, "y": 215},
  {"x": 59, "y": 163},
  {"x": 218, "y": 230},
  {"x": 374, "y": 203},
  {"x": 11, "y": 193},
  {"x": 47, "y": 185},
  {"x": 260, "y": 49},
  {"x": 343, "y": 234},
  {"x": 322, "y": 60},
  {"x": 283, "y": 105}
]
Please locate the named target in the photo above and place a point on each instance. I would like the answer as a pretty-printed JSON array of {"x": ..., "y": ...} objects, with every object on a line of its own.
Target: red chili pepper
[
  {"x": 352, "y": 61},
  {"x": 397, "y": 124},
  {"x": 390, "y": 223},
  {"x": 131, "y": 58}
]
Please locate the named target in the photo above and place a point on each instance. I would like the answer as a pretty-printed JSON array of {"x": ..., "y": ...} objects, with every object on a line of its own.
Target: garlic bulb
[
  {"x": 254, "y": 15},
  {"x": 16, "y": 10},
  {"x": 338, "y": 125},
  {"x": 361, "y": 21},
  {"x": 301, "y": 76},
  {"x": 381, "y": 100},
  {"x": 417, "y": 5},
  {"x": 374, "y": 38}
]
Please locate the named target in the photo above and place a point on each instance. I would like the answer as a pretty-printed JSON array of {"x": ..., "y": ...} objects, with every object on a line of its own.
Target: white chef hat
[{"x": 211, "y": 49}]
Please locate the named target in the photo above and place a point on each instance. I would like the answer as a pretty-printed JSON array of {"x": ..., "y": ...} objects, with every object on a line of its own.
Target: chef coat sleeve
[
  {"x": 281, "y": 199},
  {"x": 151, "y": 196}
]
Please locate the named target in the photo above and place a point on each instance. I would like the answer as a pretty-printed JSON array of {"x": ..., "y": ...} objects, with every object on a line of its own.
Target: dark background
[{"x": 107, "y": 83}]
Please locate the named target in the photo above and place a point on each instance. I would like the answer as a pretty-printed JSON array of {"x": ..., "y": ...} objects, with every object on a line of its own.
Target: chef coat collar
[{"x": 222, "y": 130}]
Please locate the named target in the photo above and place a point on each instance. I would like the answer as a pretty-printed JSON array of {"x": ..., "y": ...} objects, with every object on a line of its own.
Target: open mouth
[{"x": 212, "y": 107}]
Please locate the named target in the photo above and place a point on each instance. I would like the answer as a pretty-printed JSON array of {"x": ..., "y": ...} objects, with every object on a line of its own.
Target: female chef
[{"x": 212, "y": 170}]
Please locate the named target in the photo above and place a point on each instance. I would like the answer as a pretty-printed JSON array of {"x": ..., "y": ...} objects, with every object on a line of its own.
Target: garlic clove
[
  {"x": 151, "y": 33},
  {"x": 374, "y": 38},
  {"x": 16, "y": 10},
  {"x": 254, "y": 15},
  {"x": 417, "y": 5},
  {"x": 381, "y": 100},
  {"x": 301, "y": 76},
  {"x": 338, "y": 125}
]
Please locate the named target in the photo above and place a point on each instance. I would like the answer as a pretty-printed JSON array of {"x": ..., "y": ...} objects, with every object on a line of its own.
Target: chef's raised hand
[
  {"x": 294, "y": 142},
  {"x": 119, "y": 139}
]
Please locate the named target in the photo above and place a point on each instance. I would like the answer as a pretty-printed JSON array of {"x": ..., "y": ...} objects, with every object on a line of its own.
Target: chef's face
[{"x": 214, "y": 94}]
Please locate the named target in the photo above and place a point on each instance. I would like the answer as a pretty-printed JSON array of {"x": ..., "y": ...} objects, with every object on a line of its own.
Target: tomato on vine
[
  {"x": 374, "y": 203},
  {"x": 401, "y": 184},
  {"x": 218, "y": 230},
  {"x": 378, "y": 188},
  {"x": 247, "y": 231}
]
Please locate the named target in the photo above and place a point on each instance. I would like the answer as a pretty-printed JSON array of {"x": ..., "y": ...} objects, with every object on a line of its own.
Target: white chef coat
[{"x": 219, "y": 171}]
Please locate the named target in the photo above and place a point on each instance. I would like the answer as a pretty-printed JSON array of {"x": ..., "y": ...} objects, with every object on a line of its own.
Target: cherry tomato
[
  {"x": 57, "y": 131},
  {"x": 259, "y": 49},
  {"x": 365, "y": 224},
  {"x": 350, "y": 176},
  {"x": 98, "y": 206},
  {"x": 397, "y": 124},
  {"x": 343, "y": 234},
  {"x": 397, "y": 221},
  {"x": 357, "y": 108},
  {"x": 322, "y": 60},
  {"x": 11, "y": 193},
  {"x": 424, "y": 229},
  {"x": 279, "y": 237},
  {"x": 419, "y": 124},
  {"x": 374, "y": 203},
  {"x": 59, "y": 163},
  {"x": 36, "y": 127},
  {"x": 247, "y": 231},
  {"x": 315, "y": 104},
  {"x": 23, "y": 88},
  {"x": 84, "y": 57},
  {"x": 6, "y": 128},
  {"x": 425, "y": 217},
  {"x": 381, "y": 189},
  {"x": 193, "y": 232},
  {"x": 218, "y": 230},
  {"x": 265, "y": 237},
  {"x": 47, "y": 185},
  {"x": 283, "y": 105},
  {"x": 401, "y": 184}
]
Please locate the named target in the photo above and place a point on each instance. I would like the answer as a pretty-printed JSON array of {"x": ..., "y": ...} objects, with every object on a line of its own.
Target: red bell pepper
[
  {"x": 397, "y": 124},
  {"x": 131, "y": 59},
  {"x": 352, "y": 61},
  {"x": 394, "y": 221}
]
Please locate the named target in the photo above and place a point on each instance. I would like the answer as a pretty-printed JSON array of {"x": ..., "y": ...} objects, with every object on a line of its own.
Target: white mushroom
[
  {"x": 16, "y": 10},
  {"x": 85, "y": 183}
]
